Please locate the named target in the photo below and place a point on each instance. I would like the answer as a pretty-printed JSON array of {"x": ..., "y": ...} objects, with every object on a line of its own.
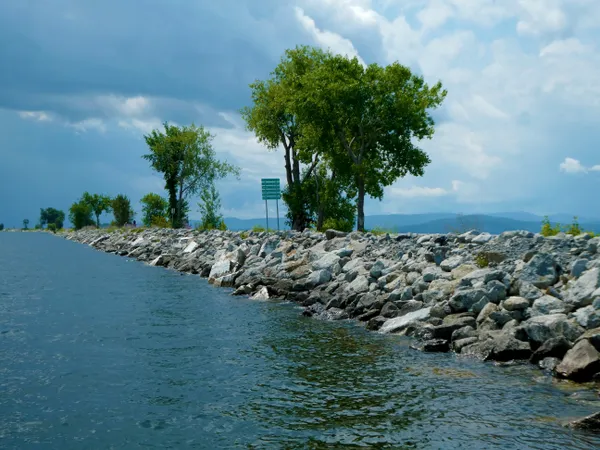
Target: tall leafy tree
[
  {"x": 25, "y": 224},
  {"x": 121, "y": 208},
  {"x": 1, "y": 226},
  {"x": 274, "y": 120},
  {"x": 154, "y": 207},
  {"x": 80, "y": 214},
  {"x": 188, "y": 162},
  {"x": 52, "y": 216},
  {"x": 371, "y": 116},
  {"x": 98, "y": 203}
]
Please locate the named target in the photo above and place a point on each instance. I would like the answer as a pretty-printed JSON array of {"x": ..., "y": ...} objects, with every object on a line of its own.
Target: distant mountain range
[{"x": 440, "y": 222}]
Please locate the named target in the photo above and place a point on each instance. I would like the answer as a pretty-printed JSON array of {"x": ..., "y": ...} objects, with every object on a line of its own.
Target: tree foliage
[
  {"x": 188, "y": 162},
  {"x": 121, "y": 208},
  {"x": 1, "y": 226},
  {"x": 210, "y": 205},
  {"x": 273, "y": 118},
  {"x": 80, "y": 214},
  {"x": 25, "y": 224},
  {"x": 154, "y": 207},
  {"x": 52, "y": 216},
  {"x": 370, "y": 116},
  {"x": 98, "y": 204}
]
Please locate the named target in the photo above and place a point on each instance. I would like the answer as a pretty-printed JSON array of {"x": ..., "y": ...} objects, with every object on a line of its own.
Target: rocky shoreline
[{"x": 515, "y": 296}]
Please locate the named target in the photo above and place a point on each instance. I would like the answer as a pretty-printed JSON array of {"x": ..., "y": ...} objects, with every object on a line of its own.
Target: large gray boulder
[
  {"x": 547, "y": 305},
  {"x": 580, "y": 363},
  {"x": 398, "y": 324},
  {"x": 587, "y": 317},
  {"x": 464, "y": 300},
  {"x": 359, "y": 285},
  {"x": 541, "y": 271},
  {"x": 318, "y": 277},
  {"x": 329, "y": 262},
  {"x": 584, "y": 290},
  {"x": 540, "y": 329},
  {"x": 552, "y": 348}
]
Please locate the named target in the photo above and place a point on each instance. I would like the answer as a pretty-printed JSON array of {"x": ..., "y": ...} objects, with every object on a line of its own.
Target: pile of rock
[{"x": 515, "y": 296}]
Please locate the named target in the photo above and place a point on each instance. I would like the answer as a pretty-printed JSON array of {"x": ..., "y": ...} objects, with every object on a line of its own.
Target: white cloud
[
  {"x": 41, "y": 116},
  {"x": 88, "y": 124},
  {"x": 572, "y": 165},
  {"x": 327, "y": 39},
  {"x": 417, "y": 191}
]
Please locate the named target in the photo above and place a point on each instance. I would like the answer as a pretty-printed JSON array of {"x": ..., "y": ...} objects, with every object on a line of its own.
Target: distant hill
[{"x": 494, "y": 223}]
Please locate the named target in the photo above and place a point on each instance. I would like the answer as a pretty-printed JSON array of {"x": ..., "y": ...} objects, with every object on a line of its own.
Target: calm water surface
[{"x": 100, "y": 352}]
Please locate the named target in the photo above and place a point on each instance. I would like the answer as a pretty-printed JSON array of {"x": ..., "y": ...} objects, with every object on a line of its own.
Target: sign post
[{"x": 271, "y": 190}]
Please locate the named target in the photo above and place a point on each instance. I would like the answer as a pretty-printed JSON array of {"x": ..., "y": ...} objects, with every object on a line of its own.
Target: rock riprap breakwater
[{"x": 515, "y": 296}]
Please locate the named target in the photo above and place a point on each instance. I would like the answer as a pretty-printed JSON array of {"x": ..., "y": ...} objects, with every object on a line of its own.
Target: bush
[
  {"x": 121, "y": 207},
  {"x": 80, "y": 215},
  {"x": 574, "y": 229},
  {"x": 258, "y": 229},
  {"x": 548, "y": 229},
  {"x": 51, "y": 227},
  {"x": 338, "y": 225},
  {"x": 482, "y": 261},
  {"x": 160, "y": 222},
  {"x": 1, "y": 226},
  {"x": 378, "y": 231},
  {"x": 244, "y": 235}
]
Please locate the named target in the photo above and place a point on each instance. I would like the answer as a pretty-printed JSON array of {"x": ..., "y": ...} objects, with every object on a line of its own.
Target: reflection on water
[{"x": 102, "y": 352}]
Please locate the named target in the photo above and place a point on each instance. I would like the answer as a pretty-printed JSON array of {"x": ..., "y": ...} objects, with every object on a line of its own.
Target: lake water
[{"x": 102, "y": 352}]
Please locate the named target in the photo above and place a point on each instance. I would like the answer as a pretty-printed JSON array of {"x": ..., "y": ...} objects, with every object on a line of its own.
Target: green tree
[
  {"x": 1, "y": 226},
  {"x": 25, "y": 224},
  {"x": 98, "y": 203},
  {"x": 275, "y": 122},
  {"x": 327, "y": 201},
  {"x": 52, "y": 215},
  {"x": 52, "y": 227},
  {"x": 153, "y": 206},
  {"x": 187, "y": 160},
  {"x": 121, "y": 208},
  {"x": 80, "y": 214},
  {"x": 210, "y": 205},
  {"x": 374, "y": 114}
]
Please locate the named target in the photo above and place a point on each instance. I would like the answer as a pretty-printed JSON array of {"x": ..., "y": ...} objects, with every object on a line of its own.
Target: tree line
[{"x": 346, "y": 130}]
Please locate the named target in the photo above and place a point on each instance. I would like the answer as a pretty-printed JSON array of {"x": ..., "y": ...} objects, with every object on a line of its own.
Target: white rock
[{"x": 398, "y": 324}]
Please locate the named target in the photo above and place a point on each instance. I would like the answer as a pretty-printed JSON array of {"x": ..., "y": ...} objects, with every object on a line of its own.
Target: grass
[{"x": 379, "y": 231}]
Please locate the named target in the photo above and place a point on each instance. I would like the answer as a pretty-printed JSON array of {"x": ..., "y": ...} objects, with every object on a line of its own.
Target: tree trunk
[
  {"x": 97, "y": 220},
  {"x": 172, "y": 189},
  {"x": 360, "y": 204}
]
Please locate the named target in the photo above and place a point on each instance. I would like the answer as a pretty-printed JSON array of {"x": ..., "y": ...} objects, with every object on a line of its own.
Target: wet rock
[
  {"x": 464, "y": 332},
  {"x": 580, "y": 363},
  {"x": 460, "y": 344},
  {"x": 375, "y": 323},
  {"x": 433, "y": 345},
  {"x": 549, "y": 364},
  {"x": 555, "y": 347},
  {"x": 408, "y": 307},
  {"x": 589, "y": 423},
  {"x": 262, "y": 294}
]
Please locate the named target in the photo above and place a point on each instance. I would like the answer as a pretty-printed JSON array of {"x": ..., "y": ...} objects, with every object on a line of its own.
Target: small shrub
[
  {"x": 258, "y": 229},
  {"x": 481, "y": 260},
  {"x": 548, "y": 229},
  {"x": 160, "y": 222},
  {"x": 338, "y": 225},
  {"x": 52, "y": 227},
  {"x": 379, "y": 231},
  {"x": 244, "y": 235},
  {"x": 574, "y": 229}
]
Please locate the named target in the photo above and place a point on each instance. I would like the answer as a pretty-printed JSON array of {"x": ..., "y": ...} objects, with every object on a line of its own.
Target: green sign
[{"x": 271, "y": 189}]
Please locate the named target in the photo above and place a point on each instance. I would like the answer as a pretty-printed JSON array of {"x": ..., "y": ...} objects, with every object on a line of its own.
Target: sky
[{"x": 82, "y": 81}]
